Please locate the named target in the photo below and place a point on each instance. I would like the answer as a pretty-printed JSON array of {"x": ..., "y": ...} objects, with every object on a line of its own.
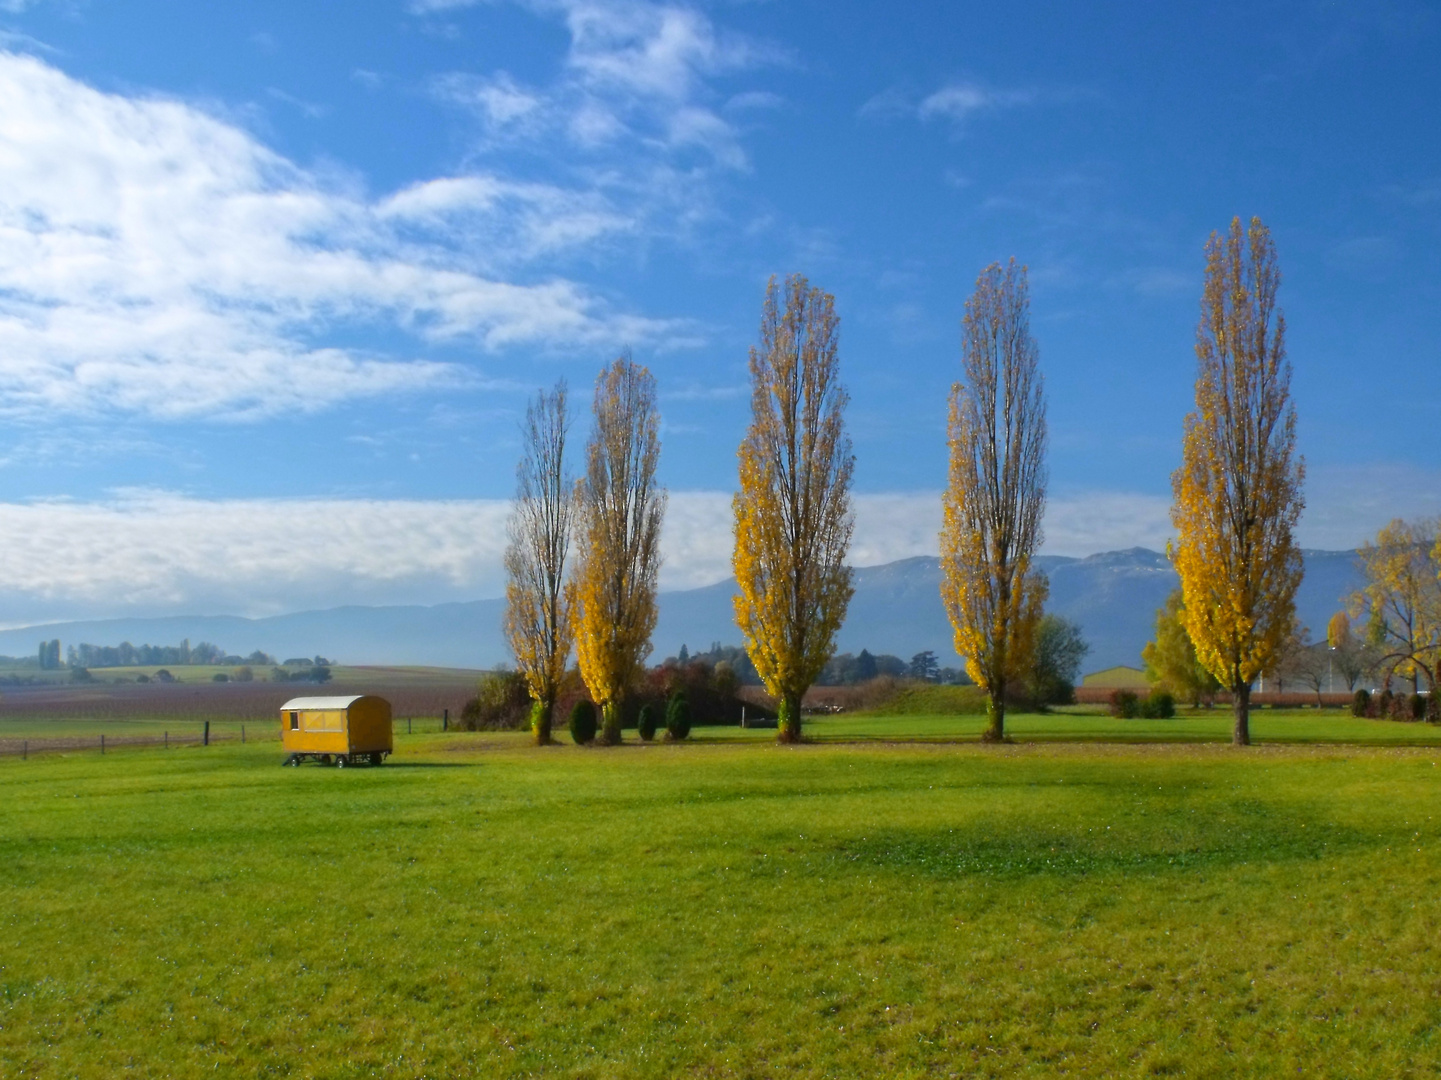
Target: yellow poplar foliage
[
  {"x": 537, "y": 605},
  {"x": 997, "y": 491},
  {"x": 620, "y": 508},
  {"x": 1338, "y": 631},
  {"x": 1237, "y": 494},
  {"x": 793, "y": 517},
  {"x": 1402, "y": 595}
]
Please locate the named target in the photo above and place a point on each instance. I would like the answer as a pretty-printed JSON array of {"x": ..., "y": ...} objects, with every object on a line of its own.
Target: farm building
[
  {"x": 1119, "y": 677},
  {"x": 343, "y": 730}
]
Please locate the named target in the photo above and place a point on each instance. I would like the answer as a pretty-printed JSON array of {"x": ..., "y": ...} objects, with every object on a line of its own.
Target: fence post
[
  {"x": 102, "y": 744},
  {"x": 407, "y": 725},
  {"x": 445, "y": 721},
  {"x": 242, "y": 734},
  {"x": 167, "y": 740},
  {"x": 25, "y": 752},
  {"x": 205, "y": 740}
]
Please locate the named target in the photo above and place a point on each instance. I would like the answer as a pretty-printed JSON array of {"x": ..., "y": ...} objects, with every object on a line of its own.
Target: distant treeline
[
  {"x": 846, "y": 669},
  {"x": 128, "y": 655}
]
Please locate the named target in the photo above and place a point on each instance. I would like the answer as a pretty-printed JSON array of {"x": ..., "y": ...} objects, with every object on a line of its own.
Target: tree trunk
[
  {"x": 788, "y": 727},
  {"x": 542, "y": 717},
  {"x": 996, "y": 715},
  {"x": 1241, "y": 699},
  {"x": 610, "y": 723}
]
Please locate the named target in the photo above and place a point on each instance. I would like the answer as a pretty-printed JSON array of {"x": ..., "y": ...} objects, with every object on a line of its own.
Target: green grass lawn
[
  {"x": 481, "y": 908},
  {"x": 1092, "y": 725}
]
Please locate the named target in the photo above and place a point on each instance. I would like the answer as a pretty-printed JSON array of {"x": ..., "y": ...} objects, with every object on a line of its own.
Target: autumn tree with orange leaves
[
  {"x": 620, "y": 508},
  {"x": 1238, "y": 492},
  {"x": 537, "y": 603},
  {"x": 997, "y": 492},
  {"x": 793, "y": 516}
]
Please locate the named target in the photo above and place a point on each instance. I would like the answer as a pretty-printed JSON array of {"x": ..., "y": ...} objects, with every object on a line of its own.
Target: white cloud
[
  {"x": 1087, "y": 522},
  {"x": 521, "y": 221},
  {"x": 149, "y": 552},
  {"x": 959, "y": 101},
  {"x": 156, "y": 259},
  {"x": 155, "y": 552},
  {"x": 899, "y": 525},
  {"x": 1346, "y": 505},
  {"x": 431, "y": 7},
  {"x": 755, "y": 99},
  {"x": 636, "y": 78}
]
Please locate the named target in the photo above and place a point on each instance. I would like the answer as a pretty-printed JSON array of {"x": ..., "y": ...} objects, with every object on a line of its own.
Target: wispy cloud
[
  {"x": 956, "y": 102},
  {"x": 1416, "y": 196},
  {"x": 1347, "y": 505},
  {"x": 635, "y": 75},
  {"x": 636, "y": 111},
  {"x": 157, "y": 259},
  {"x": 959, "y": 101},
  {"x": 158, "y": 552}
]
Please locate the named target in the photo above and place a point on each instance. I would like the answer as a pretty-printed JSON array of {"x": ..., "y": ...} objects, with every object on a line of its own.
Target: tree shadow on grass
[
  {"x": 431, "y": 765},
  {"x": 973, "y": 852}
]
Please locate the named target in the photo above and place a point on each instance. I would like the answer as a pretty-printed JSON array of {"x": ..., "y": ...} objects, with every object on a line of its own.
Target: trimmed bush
[
  {"x": 1125, "y": 704},
  {"x": 1418, "y": 707},
  {"x": 1361, "y": 703},
  {"x": 645, "y": 724},
  {"x": 582, "y": 722},
  {"x": 1159, "y": 705},
  {"x": 1385, "y": 705},
  {"x": 677, "y": 718}
]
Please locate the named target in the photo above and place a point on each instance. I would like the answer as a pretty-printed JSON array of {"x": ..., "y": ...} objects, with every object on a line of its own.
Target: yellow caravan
[{"x": 343, "y": 730}]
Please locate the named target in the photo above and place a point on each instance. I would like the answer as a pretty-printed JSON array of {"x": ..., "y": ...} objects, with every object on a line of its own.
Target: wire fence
[{"x": 122, "y": 735}]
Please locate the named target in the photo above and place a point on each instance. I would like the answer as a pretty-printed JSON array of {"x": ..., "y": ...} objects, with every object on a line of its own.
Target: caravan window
[{"x": 295, "y": 721}]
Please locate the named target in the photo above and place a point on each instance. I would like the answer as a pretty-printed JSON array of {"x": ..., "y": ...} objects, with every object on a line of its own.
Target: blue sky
[{"x": 278, "y": 278}]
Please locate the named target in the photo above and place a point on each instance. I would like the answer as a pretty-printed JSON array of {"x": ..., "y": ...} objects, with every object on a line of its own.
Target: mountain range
[{"x": 896, "y": 609}]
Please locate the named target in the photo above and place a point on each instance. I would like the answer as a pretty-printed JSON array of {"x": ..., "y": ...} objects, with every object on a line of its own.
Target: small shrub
[
  {"x": 1418, "y": 707},
  {"x": 1361, "y": 703},
  {"x": 582, "y": 722},
  {"x": 1158, "y": 705},
  {"x": 677, "y": 718},
  {"x": 142, "y": 678},
  {"x": 1384, "y": 705},
  {"x": 220, "y": 677},
  {"x": 645, "y": 724},
  {"x": 1125, "y": 704}
]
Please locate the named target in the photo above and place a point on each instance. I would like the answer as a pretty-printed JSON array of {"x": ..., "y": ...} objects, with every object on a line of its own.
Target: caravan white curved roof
[{"x": 299, "y": 703}]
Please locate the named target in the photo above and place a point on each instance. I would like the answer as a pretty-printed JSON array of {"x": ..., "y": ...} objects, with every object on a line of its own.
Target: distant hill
[{"x": 896, "y": 609}]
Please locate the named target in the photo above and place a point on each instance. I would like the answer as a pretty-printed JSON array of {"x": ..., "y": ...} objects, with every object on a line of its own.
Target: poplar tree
[
  {"x": 621, "y": 508},
  {"x": 793, "y": 517},
  {"x": 997, "y": 491},
  {"x": 1238, "y": 492},
  {"x": 537, "y": 603}
]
